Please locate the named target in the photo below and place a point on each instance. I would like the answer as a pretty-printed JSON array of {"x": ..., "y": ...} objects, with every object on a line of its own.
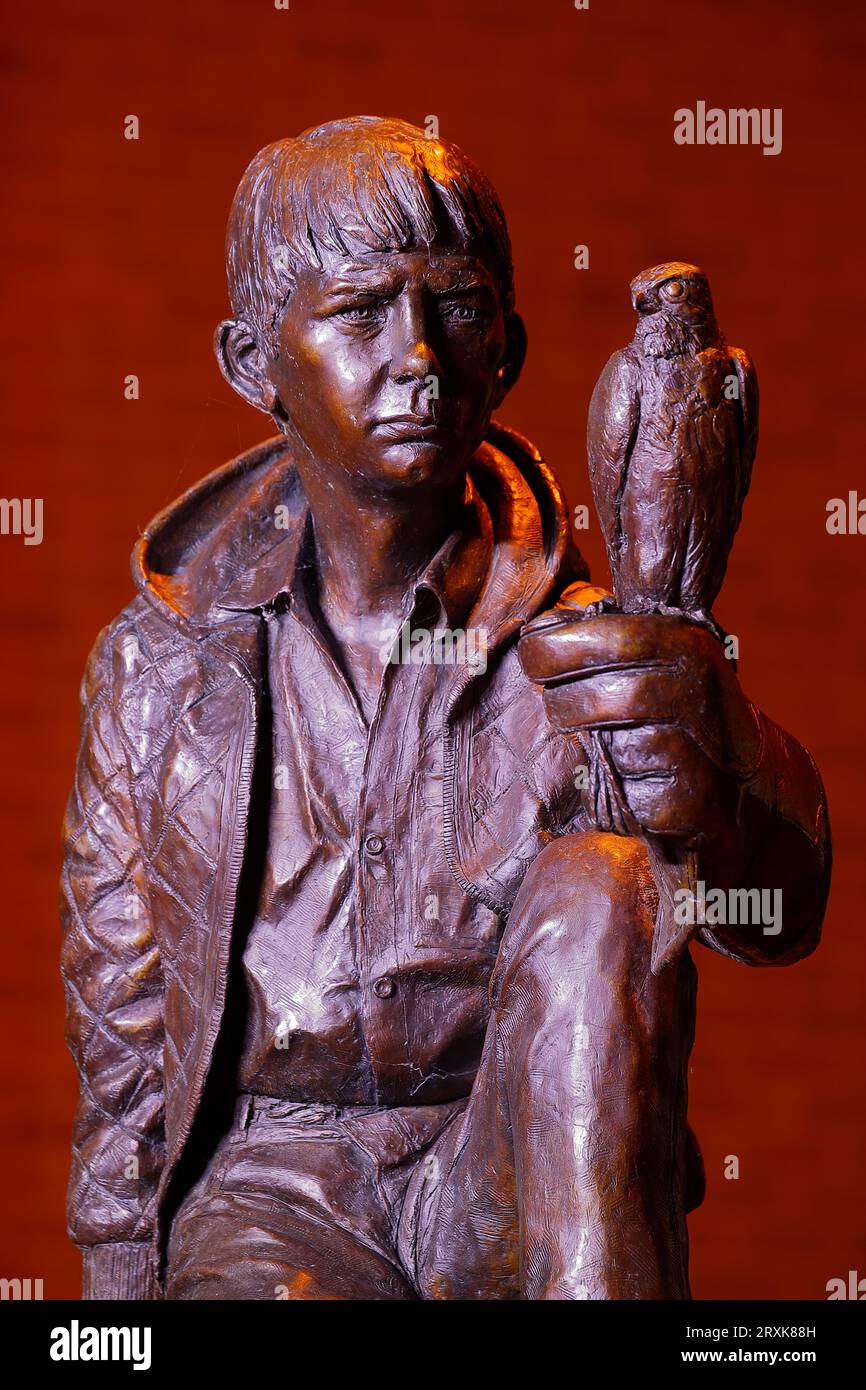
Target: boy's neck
[{"x": 371, "y": 548}]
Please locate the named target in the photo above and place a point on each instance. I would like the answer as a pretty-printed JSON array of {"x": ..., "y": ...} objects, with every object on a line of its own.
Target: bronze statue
[{"x": 375, "y": 793}]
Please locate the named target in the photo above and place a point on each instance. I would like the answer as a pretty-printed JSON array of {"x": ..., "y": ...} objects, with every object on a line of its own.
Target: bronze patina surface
[{"x": 380, "y": 806}]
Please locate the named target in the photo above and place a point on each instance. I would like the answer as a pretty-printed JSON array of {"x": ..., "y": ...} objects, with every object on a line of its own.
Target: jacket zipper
[{"x": 449, "y": 832}]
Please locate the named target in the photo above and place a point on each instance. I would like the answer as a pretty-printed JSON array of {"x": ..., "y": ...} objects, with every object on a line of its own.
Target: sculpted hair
[{"x": 347, "y": 188}]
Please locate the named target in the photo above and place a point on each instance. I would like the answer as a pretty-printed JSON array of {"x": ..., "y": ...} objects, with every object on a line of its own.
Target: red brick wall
[{"x": 113, "y": 260}]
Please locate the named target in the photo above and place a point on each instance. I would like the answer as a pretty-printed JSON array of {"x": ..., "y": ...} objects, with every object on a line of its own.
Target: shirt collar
[
  {"x": 454, "y": 576},
  {"x": 457, "y": 570}
]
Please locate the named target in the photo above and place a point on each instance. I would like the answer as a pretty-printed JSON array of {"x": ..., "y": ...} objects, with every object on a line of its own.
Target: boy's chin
[{"x": 414, "y": 463}]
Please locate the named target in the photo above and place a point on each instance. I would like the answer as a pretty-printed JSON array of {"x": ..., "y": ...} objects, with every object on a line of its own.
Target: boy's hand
[{"x": 683, "y": 735}]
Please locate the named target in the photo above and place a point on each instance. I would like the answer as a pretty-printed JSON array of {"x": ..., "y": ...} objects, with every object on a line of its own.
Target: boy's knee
[
  {"x": 587, "y": 901},
  {"x": 588, "y": 881}
]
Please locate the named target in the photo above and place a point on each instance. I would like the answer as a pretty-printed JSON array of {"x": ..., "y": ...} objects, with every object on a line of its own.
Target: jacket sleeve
[
  {"x": 114, "y": 992},
  {"x": 783, "y": 847}
]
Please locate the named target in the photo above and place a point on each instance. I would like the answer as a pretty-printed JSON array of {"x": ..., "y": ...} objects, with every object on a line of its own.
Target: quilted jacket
[{"x": 156, "y": 823}]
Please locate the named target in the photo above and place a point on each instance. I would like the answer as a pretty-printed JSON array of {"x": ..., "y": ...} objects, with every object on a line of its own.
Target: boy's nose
[
  {"x": 413, "y": 355},
  {"x": 416, "y": 361}
]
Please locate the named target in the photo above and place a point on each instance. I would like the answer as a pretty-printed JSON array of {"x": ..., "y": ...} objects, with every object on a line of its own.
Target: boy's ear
[
  {"x": 241, "y": 362},
  {"x": 514, "y": 357}
]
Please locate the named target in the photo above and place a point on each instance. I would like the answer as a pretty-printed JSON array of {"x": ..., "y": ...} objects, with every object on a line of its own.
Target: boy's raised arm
[{"x": 114, "y": 989}]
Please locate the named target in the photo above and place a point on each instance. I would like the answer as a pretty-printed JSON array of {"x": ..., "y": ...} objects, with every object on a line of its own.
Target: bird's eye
[{"x": 674, "y": 289}]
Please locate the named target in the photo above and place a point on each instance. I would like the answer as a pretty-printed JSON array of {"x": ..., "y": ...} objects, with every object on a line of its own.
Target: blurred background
[{"x": 112, "y": 263}]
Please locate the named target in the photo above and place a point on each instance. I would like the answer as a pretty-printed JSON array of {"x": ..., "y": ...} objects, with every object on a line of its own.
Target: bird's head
[
  {"x": 675, "y": 289},
  {"x": 675, "y": 308}
]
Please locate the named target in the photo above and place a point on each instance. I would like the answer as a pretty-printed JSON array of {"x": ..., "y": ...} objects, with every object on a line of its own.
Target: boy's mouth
[{"x": 407, "y": 428}]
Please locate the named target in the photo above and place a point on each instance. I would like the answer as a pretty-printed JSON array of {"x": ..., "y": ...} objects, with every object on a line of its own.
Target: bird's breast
[{"x": 679, "y": 395}]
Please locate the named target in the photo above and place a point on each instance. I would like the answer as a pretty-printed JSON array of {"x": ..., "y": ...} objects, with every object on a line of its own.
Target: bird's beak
[{"x": 639, "y": 300}]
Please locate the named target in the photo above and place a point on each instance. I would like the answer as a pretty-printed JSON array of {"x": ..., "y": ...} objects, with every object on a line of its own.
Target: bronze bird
[{"x": 672, "y": 434}]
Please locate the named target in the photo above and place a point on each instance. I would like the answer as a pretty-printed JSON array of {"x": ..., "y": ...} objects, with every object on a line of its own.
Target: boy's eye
[
  {"x": 462, "y": 310},
  {"x": 367, "y": 312}
]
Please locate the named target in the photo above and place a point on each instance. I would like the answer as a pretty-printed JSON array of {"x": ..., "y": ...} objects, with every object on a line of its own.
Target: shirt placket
[{"x": 378, "y": 899}]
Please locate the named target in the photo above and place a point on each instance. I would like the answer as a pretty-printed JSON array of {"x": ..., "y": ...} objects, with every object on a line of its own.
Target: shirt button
[
  {"x": 384, "y": 987},
  {"x": 374, "y": 844}
]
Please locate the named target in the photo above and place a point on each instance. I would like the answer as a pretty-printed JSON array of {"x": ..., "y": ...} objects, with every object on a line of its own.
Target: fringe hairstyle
[{"x": 352, "y": 186}]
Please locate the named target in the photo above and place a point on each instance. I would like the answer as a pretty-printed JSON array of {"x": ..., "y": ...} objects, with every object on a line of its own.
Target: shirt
[{"x": 326, "y": 933}]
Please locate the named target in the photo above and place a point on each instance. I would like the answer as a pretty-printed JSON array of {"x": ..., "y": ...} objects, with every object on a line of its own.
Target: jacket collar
[{"x": 230, "y": 544}]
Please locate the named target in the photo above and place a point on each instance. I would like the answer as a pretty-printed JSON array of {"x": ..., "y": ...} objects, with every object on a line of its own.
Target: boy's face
[{"x": 364, "y": 347}]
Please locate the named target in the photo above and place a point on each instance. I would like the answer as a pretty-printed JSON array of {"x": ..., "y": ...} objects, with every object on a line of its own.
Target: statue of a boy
[{"x": 359, "y": 991}]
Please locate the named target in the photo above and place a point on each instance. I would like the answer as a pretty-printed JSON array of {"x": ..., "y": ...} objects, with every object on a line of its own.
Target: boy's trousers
[{"x": 565, "y": 1174}]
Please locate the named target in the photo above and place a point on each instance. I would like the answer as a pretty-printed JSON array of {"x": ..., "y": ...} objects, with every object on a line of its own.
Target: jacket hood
[{"x": 216, "y": 551}]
